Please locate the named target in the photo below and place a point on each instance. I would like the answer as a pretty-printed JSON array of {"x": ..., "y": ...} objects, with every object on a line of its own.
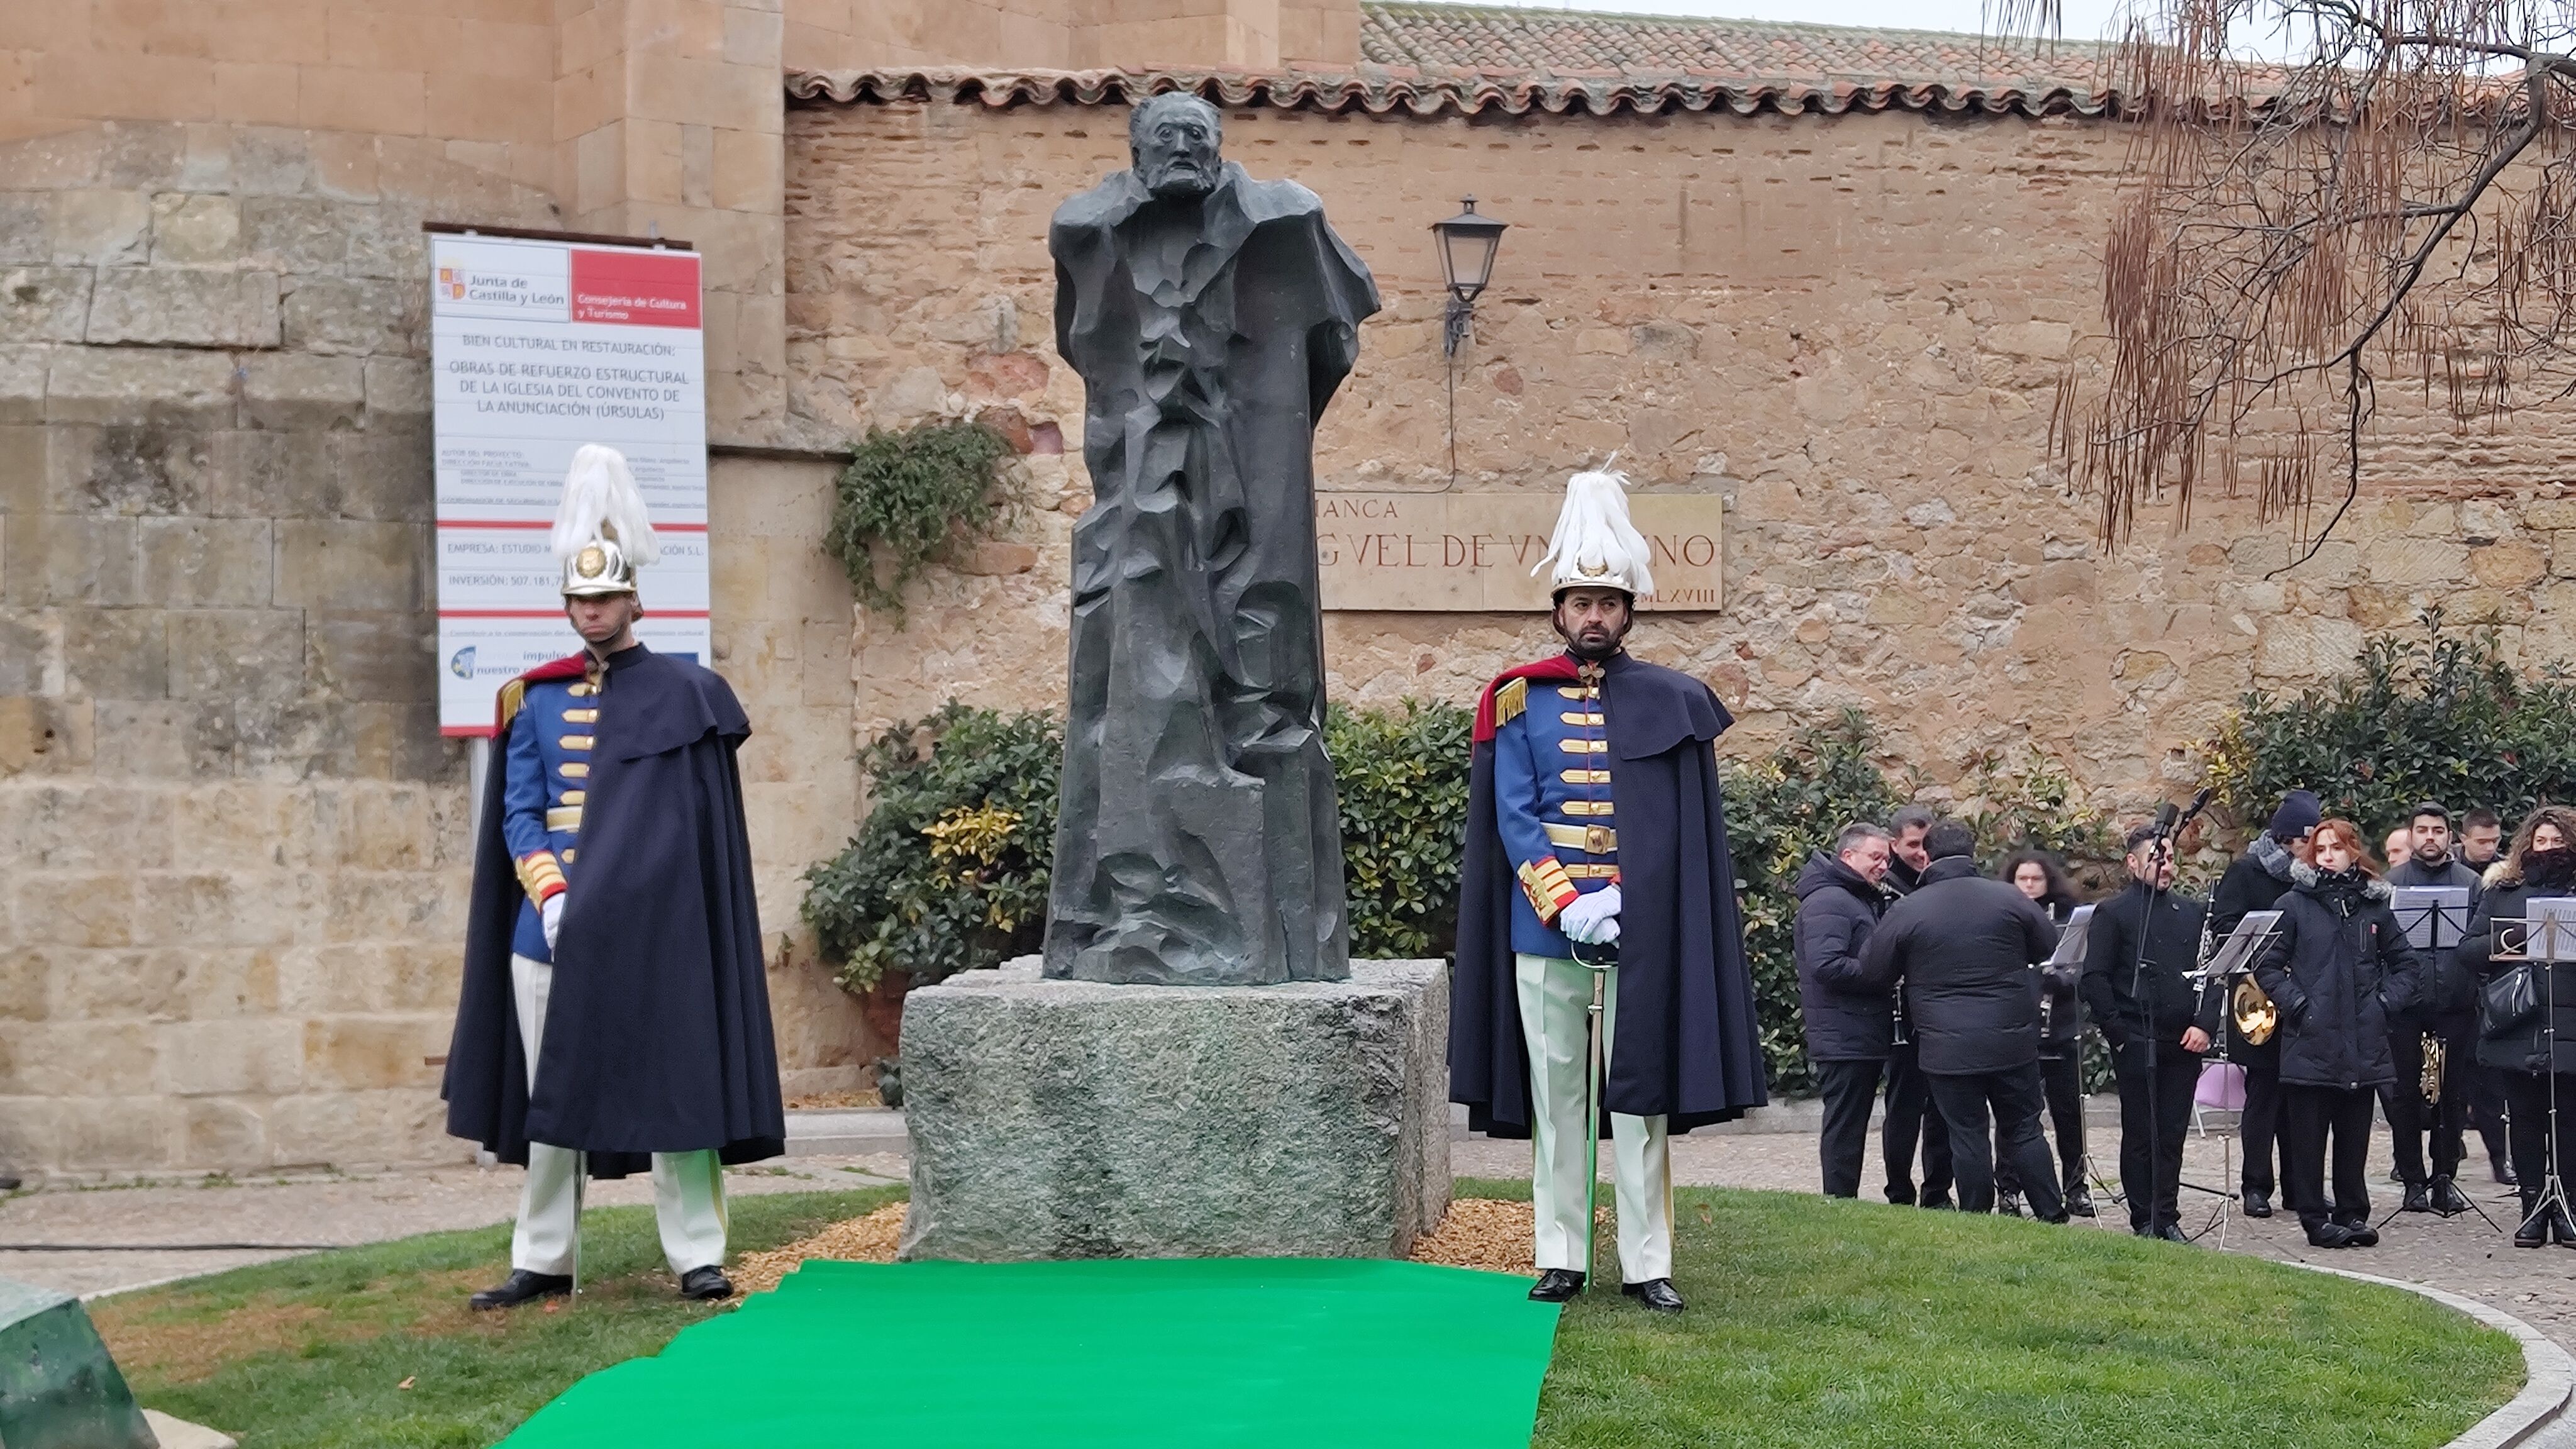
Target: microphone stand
[{"x": 2168, "y": 828}]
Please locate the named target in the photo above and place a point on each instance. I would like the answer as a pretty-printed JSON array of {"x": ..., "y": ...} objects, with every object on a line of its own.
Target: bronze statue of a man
[{"x": 1210, "y": 316}]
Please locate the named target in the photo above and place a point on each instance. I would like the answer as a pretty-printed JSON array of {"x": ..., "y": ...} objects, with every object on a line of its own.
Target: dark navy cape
[
  {"x": 1688, "y": 1045},
  {"x": 657, "y": 1026}
]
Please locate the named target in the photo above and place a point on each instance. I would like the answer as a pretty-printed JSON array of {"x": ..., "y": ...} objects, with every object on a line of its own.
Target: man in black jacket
[
  {"x": 1847, "y": 1025},
  {"x": 2142, "y": 944},
  {"x": 2447, "y": 1011},
  {"x": 1911, "y": 1117},
  {"x": 1964, "y": 946},
  {"x": 2254, "y": 882}
]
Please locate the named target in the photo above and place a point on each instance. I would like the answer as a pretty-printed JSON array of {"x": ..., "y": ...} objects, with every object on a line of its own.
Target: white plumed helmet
[
  {"x": 602, "y": 533},
  {"x": 1595, "y": 546}
]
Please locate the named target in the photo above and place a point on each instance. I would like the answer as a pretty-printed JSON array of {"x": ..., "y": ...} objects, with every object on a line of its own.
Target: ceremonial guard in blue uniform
[
  {"x": 1595, "y": 827},
  {"x": 615, "y": 1010}
]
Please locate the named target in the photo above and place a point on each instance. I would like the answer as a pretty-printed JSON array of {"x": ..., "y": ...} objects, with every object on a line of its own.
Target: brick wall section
[{"x": 1849, "y": 329}]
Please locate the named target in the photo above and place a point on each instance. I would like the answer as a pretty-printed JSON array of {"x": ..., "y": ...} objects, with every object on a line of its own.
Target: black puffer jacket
[
  {"x": 1964, "y": 946},
  {"x": 1846, "y": 1021},
  {"x": 2338, "y": 969},
  {"x": 2255, "y": 881},
  {"x": 2113, "y": 982},
  {"x": 2520, "y": 1047}
]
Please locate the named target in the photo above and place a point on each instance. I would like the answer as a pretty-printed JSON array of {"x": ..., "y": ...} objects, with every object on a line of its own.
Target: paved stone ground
[{"x": 332, "y": 1210}]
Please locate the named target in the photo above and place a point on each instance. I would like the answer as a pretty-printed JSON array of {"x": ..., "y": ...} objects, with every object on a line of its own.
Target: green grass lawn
[
  {"x": 1854, "y": 1325},
  {"x": 1812, "y": 1323},
  {"x": 375, "y": 1347}
]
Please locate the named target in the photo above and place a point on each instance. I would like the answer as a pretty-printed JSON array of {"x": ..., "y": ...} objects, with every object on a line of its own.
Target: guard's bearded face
[
  {"x": 1176, "y": 157},
  {"x": 1592, "y": 621}
]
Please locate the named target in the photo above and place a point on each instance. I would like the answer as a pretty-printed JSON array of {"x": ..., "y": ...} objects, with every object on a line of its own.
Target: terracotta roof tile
[{"x": 1429, "y": 58}]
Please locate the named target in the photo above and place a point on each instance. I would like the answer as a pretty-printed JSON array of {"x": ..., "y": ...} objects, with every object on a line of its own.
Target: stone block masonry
[{"x": 1069, "y": 1119}]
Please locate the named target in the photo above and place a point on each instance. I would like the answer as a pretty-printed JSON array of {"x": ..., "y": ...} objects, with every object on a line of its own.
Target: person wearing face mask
[
  {"x": 2255, "y": 881},
  {"x": 2481, "y": 846},
  {"x": 2446, "y": 1014},
  {"x": 1597, "y": 839},
  {"x": 2037, "y": 874},
  {"x": 2534, "y": 1059},
  {"x": 2337, "y": 967}
]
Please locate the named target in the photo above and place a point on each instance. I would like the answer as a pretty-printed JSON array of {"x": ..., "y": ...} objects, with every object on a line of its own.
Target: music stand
[
  {"x": 2552, "y": 924},
  {"x": 2234, "y": 959}
]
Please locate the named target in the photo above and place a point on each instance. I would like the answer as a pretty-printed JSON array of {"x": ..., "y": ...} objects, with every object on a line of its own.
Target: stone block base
[
  {"x": 58, "y": 1386},
  {"x": 1071, "y": 1119}
]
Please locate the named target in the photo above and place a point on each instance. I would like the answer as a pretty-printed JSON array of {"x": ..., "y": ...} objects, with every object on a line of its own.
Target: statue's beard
[{"x": 1169, "y": 182}]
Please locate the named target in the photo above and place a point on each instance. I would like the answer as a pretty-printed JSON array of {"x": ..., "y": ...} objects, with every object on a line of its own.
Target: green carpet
[{"x": 1198, "y": 1352}]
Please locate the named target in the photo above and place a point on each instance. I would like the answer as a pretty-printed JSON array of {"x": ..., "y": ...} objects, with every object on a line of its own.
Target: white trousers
[
  {"x": 688, "y": 1187},
  {"x": 1556, "y": 1000}
]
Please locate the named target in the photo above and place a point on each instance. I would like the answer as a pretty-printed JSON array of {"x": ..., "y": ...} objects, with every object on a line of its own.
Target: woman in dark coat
[
  {"x": 2338, "y": 969},
  {"x": 2535, "y": 1055},
  {"x": 2061, "y": 1037}
]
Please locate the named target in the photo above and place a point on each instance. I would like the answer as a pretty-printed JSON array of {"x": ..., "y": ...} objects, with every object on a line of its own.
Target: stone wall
[
  {"x": 1072, "y": 34},
  {"x": 233, "y": 846},
  {"x": 1849, "y": 329}
]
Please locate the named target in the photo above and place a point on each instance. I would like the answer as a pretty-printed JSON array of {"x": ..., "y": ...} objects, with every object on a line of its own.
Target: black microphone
[
  {"x": 2167, "y": 816},
  {"x": 2199, "y": 803}
]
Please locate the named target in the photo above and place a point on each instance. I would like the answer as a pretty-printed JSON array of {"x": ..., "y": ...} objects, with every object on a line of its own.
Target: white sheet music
[
  {"x": 2071, "y": 939},
  {"x": 2433, "y": 917},
  {"x": 2237, "y": 953}
]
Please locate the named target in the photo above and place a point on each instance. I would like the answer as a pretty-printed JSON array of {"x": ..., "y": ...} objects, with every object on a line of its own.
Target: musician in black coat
[
  {"x": 2338, "y": 967},
  {"x": 2255, "y": 881},
  {"x": 1848, "y": 1026},
  {"x": 2139, "y": 953},
  {"x": 2037, "y": 875},
  {"x": 2533, "y": 1050}
]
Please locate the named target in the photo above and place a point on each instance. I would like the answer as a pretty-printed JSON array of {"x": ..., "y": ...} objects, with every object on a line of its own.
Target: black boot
[
  {"x": 520, "y": 1287},
  {"x": 1557, "y": 1285},
  {"x": 2257, "y": 1204},
  {"x": 2419, "y": 1198},
  {"x": 2448, "y": 1199},
  {"x": 2533, "y": 1230},
  {"x": 2079, "y": 1201},
  {"x": 2503, "y": 1169},
  {"x": 2561, "y": 1231}
]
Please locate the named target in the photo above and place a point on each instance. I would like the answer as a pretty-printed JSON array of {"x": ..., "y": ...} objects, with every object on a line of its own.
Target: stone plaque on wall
[{"x": 1473, "y": 552}]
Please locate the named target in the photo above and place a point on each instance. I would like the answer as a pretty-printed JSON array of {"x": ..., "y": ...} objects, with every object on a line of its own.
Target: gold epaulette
[
  {"x": 1509, "y": 701},
  {"x": 513, "y": 695}
]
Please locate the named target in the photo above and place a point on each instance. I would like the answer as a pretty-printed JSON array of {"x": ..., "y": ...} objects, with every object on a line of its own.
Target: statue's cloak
[
  {"x": 1689, "y": 1047},
  {"x": 1200, "y": 840}
]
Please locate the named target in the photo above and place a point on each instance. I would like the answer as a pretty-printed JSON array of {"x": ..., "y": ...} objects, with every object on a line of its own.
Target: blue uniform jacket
[
  {"x": 547, "y": 760},
  {"x": 1552, "y": 804}
]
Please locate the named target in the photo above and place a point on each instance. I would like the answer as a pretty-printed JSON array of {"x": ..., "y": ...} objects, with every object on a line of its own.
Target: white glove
[
  {"x": 1592, "y": 919},
  {"x": 550, "y": 916}
]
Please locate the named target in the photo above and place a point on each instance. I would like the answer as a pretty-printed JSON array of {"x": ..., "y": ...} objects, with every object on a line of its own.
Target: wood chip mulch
[
  {"x": 870, "y": 1239},
  {"x": 1481, "y": 1233}
]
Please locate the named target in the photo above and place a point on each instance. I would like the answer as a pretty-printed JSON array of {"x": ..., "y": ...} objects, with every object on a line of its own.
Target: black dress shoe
[
  {"x": 705, "y": 1285},
  {"x": 2533, "y": 1230},
  {"x": 2419, "y": 1199},
  {"x": 2008, "y": 1204},
  {"x": 1940, "y": 1203},
  {"x": 520, "y": 1287},
  {"x": 2447, "y": 1197},
  {"x": 2173, "y": 1233},
  {"x": 1655, "y": 1293},
  {"x": 2257, "y": 1204},
  {"x": 2503, "y": 1171},
  {"x": 2561, "y": 1231},
  {"x": 2360, "y": 1235},
  {"x": 2079, "y": 1201},
  {"x": 1556, "y": 1285},
  {"x": 2329, "y": 1235}
]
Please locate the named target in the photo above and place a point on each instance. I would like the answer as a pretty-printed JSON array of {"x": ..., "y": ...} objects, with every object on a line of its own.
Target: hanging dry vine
[{"x": 2398, "y": 206}]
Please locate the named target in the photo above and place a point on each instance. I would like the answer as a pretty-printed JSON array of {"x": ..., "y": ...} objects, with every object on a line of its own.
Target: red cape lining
[{"x": 1560, "y": 667}]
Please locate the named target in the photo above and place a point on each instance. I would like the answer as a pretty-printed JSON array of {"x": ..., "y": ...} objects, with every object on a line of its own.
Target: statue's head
[{"x": 1173, "y": 138}]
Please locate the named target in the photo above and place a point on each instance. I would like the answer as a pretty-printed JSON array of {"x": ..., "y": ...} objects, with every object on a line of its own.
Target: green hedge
[
  {"x": 949, "y": 873},
  {"x": 2433, "y": 715}
]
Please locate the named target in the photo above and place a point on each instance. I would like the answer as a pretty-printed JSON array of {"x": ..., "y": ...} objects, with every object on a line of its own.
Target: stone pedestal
[{"x": 1071, "y": 1119}]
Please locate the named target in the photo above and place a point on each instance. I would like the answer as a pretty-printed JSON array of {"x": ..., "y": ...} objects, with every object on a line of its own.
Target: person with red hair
[{"x": 2338, "y": 969}]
